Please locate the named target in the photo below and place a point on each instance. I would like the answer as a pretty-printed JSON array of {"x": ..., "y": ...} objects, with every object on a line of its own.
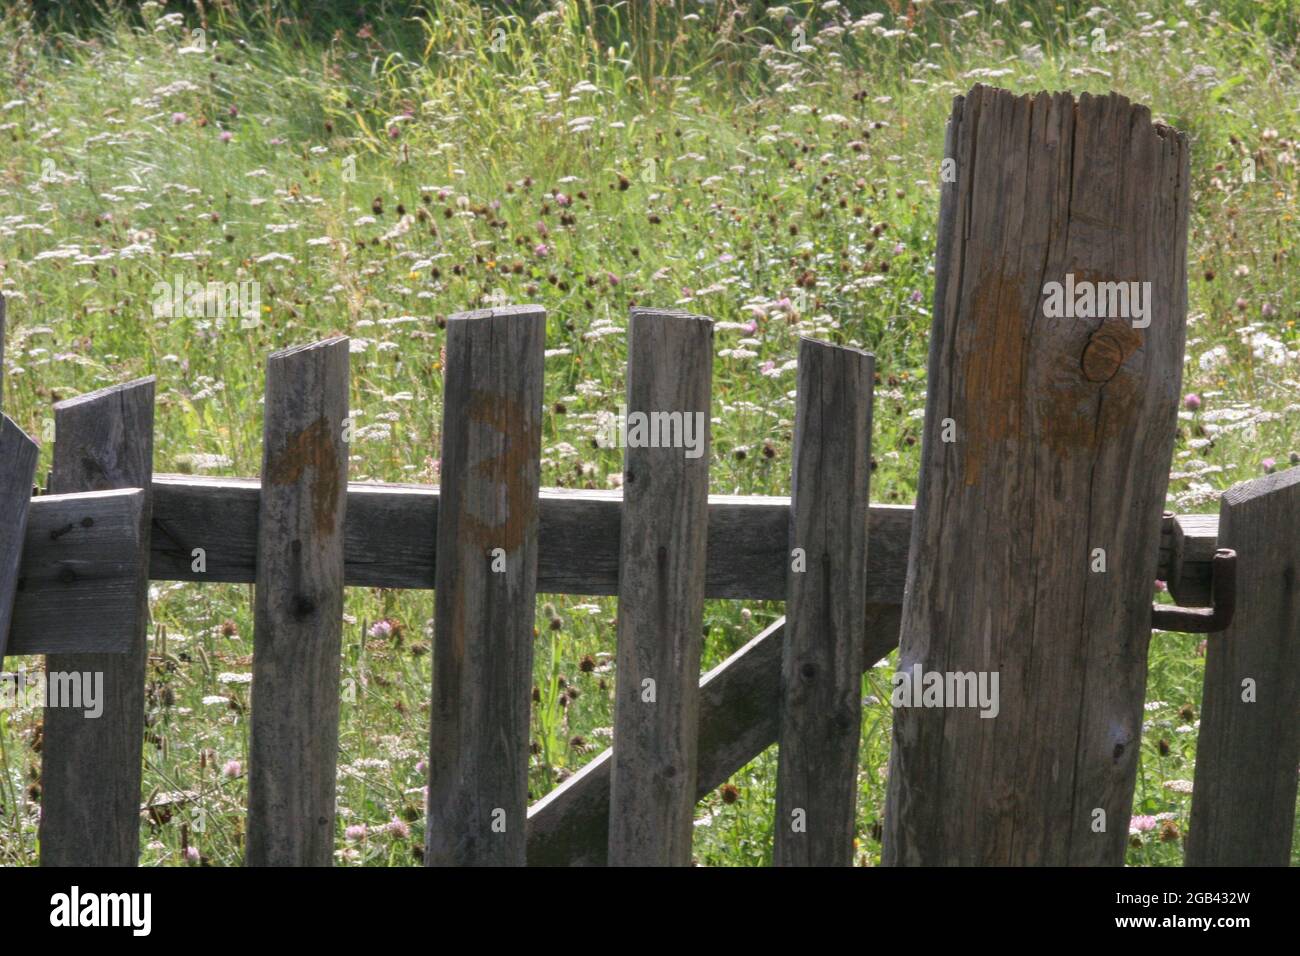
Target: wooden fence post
[
  {"x": 91, "y": 767},
  {"x": 486, "y": 582},
  {"x": 1244, "y": 794},
  {"x": 821, "y": 673},
  {"x": 298, "y": 614},
  {"x": 1055, "y": 365},
  {"x": 18, "y": 455},
  {"x": 661, "y": 588}
]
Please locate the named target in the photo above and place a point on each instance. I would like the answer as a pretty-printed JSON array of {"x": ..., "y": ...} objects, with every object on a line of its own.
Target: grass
[{"x": 376, "y": 175}]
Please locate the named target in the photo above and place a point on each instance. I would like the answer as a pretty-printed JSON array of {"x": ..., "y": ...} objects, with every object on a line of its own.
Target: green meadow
[{"x": 776, "y": 168}]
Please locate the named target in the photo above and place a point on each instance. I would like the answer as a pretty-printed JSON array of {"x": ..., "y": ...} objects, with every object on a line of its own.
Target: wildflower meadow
[{"x": 187, "y": 186}]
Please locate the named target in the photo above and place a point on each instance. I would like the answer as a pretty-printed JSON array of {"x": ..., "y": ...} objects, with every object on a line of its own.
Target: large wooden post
[{"x": 1049, "y": 428}]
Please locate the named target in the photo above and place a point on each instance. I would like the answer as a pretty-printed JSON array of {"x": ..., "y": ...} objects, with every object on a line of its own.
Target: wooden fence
[
  {"x": 995, "y": 568},
  {"x": 86, "y": 558}
]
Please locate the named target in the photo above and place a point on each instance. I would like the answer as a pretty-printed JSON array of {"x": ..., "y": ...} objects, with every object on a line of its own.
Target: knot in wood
[{"x": 1108, "y": 349}]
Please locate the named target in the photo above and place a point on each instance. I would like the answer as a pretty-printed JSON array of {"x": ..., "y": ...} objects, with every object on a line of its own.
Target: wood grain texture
[
  {"x": 821, "y": 671},
  {"x": 740, "y": 701},
  {"x": 103, "y": 441},
  {"x": 661, "y": 592},
  {"x": 579, "y": 550},
  {"x": 1244, "y": 793},
  {"x": 298, "y": 608},
  {"x": 1065, "y": 429},
  {"x": 487, "y": 541},
  {"x": 1189, "y": 571},
  {"x": 79, "y": 586},
  {"x": 18, "y": 455},
  {"x": 390, "y": 530}
]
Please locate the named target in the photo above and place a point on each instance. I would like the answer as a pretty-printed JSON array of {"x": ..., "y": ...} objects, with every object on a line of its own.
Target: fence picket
[
  {"x": 298, "y": 614},
  {"x": 103, "y": 441},
  {"x": 485, "y": 589},
  {"x": 18, "y": 455},
  {"x": 661, "y": 593},
  {"x": 1244, "y": 792},
  {"x": 821, "y": 679}
]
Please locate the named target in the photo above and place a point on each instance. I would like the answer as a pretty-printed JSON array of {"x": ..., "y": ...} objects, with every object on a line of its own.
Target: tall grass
[{"x": 382, "y": 171}]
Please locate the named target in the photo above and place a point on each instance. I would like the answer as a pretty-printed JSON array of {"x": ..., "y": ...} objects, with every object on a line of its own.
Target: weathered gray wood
[
  {"x": 18, "y": 455},
  {"x": 1191, "y": 555},
  {"x": 661, "y": 591},
  {"x": 79, "y": 583},
  {"x": 390, "y": 528},
  {"x": 579, "y": 548},
  {"x": 103, "y": 441},
  {"x": 740, "y": 700},
  {"x": 298, "y": 608},
  {"x": 1064, "y": 431},
  {"x": 78, "y": 590},
  {"x": 486, "y": 588},
  {"x": 821, "y": 675},
  {"x": 1244, "y": 794}
]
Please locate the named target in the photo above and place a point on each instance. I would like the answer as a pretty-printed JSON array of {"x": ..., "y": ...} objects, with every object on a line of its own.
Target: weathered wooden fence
[{"x": 1054, "y": 431}]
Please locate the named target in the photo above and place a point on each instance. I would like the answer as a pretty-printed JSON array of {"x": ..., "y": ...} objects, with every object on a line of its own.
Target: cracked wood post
[
  {"x": 661, "y": 589},
  {"x": 18, "y": 455},
  {"x": 1064, "y": 430},
  {"x": 485, "y": 588},
  {"x": 821, "y": 679},
  {"x": 1244, "y": 794},
  {"x": 298, "y": 608},
  {"x": 91, "y": 767}
]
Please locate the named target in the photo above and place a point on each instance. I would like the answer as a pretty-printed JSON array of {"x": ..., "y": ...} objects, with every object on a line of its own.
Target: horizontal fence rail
[{"x": 389, "y": 535}]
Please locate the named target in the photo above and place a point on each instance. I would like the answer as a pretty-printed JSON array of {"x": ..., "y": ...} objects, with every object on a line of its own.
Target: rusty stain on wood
[
  {"x": 506, "y": 469},
  {"x": 995, "y": 372},
  {"x": 484, "y": 615},
  {"x": 312, "y": 448},
  {"x": 993, "y": 367}
]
